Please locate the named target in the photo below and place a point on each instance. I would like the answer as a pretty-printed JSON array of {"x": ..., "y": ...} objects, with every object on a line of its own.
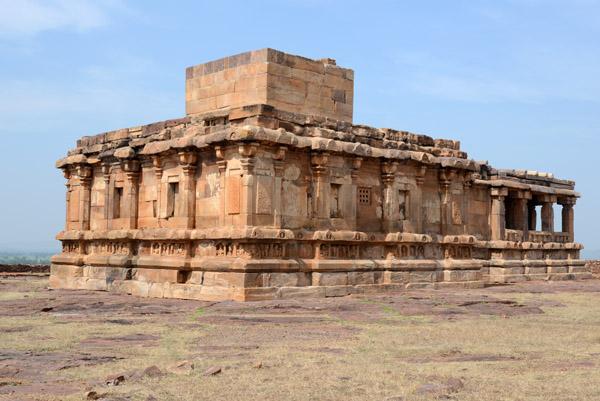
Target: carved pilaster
[
  {"x": 417, "y": 198},
  {"x": 84, "y": 175},
  {"x": 388, "y": 176},
  {"x": 67, "y": 174},
  {"x": 222, "y": 166},
  {"x": 319, "y": 170},
  {"x": 247, "y": 151},
  {"x": 353, "y": 212},
  {"x": 106, "y": 179},
  {"x": 188, "y": 163},
  {"x": 467, "y": 183},
  {"x": 130, "y": 192},
  {"x": 278, "y": 165},
  {"x": 446, "y": 177},
  {"x": 157, "y": 164}
]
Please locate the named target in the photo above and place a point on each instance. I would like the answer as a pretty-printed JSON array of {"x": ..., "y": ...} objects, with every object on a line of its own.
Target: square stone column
[
  {"x": 521, "y": 211},
  {"x": 547, "y": 212},
  {"x": 532, "y": 215},
  {"x": 568, "y": 216},
  {"x": 498, "y": 218}
]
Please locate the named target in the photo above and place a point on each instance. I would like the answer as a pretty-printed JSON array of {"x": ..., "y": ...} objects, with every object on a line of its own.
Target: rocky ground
[
  {"x": 535, "y": 340},
  {"x": 594, "y": 267}
]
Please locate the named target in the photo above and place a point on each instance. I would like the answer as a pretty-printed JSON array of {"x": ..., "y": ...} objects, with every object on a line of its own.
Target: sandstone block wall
[{"x": 267, "y": 76}]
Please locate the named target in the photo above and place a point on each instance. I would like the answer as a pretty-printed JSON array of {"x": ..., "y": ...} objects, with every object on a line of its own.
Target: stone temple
[{"x": 266, "y": 189}]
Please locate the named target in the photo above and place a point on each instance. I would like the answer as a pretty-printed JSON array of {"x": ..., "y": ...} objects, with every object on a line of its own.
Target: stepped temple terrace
[{"x": 266, "y": 189}]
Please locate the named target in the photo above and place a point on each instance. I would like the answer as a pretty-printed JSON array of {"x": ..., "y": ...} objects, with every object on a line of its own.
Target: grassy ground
[{"x": 536, "y": 341}]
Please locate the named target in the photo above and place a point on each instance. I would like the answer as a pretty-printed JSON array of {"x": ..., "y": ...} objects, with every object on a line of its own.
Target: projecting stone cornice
[{"x": 535, "y": 189}]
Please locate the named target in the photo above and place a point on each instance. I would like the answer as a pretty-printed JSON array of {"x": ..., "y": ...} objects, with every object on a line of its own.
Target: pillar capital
[
  {"x": 66, "y": 173},
  {"x": 546, "y": 198},
  {"x": 130, "y": 166},
  {"x": 187, "y": 158},
  {"x": 524, "y": 195},
  {"x": 319, "y": 162},
  {"x": 319, "y": 159},
  {"x": 187, "y": 161},
  {"x": 499, "y": 192},
  {"x": 420, "y": 175},
  {"x": 567, "y": 201},
  {"x": 248, "y": 149},
  {"x": 388, "y": 172},
  {"x": 446, "y": 176},
  {"x": 280, "y": 153}
]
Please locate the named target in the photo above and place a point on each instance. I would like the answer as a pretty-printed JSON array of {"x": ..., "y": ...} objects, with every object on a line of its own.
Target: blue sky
[{"x": 516, "y": 81}]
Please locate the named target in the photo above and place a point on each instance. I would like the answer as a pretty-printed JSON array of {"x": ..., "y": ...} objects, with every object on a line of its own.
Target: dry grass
[{"x": 550, "y": 356}]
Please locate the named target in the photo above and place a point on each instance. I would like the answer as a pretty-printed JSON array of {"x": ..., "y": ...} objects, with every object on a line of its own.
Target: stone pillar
[
  {"x": 388, "y": 176},
  {"x": 247, "y": 162},
  {"x": 84, "y": 173},
  {"x": 417, "y": 200},
  {"x": 222, "y": 166},
  {"x": 188, "y": 160},
  {"x": 67, "y": 175},
  {"x": 547, "y": 212},
  {"x": 106, "y": 178},
  {"x": 130, "y": 192},
  {"x": 467, "y": 183},
  {"x": 157, "y": 163},
  {"x": 498, "y": 218},
  {"x": 353, "y": 212},
  {"x": 278, "y": 165},
  {"x": 532, "y": 215},
  {"x": 446, "y": 177},
  {"x": 568, "y": 216},
  {"x": 521, "y": 212},
  {"x": 320, "y": 201}
]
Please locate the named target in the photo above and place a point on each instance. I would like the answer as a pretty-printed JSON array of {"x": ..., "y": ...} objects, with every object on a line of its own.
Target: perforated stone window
[{"x": 364, "y": 196}]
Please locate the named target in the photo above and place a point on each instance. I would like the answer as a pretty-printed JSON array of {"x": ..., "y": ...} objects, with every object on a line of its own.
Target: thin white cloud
[{"x": 27, "y": 18}]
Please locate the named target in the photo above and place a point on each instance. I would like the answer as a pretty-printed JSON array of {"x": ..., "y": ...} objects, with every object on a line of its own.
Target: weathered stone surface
[
  {"x": 267, "y": 190},
  {"x": 181, "y": 368},
  {"x": 153, "y": 371},
  {"x": 212, "y": 371}
]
